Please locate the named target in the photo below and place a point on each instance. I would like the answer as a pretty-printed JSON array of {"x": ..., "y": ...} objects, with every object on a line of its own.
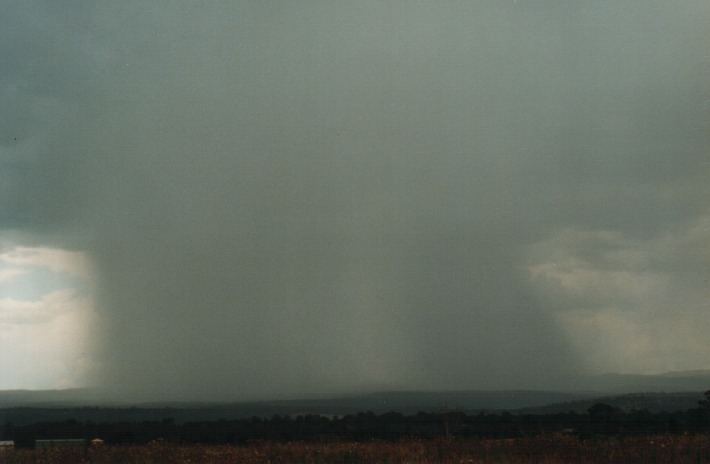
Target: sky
[
  {"x": 248, "y": 200},
  {"x": 46, "y": 318}
]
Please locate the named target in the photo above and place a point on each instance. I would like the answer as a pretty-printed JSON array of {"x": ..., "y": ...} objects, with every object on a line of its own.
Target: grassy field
[{"x": 691, "y": 449}]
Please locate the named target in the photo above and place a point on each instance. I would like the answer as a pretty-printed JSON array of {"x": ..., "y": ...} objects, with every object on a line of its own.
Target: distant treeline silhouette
[{"x": 600, "y": 419}]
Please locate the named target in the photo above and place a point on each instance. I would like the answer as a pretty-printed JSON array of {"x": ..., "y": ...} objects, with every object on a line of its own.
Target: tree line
[{"x": 600, "y": 419}]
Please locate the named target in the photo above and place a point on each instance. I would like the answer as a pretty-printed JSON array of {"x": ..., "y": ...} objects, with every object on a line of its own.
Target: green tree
[
  {"x": 602, "y": 411},
  {"x": 705, "y": 402}
]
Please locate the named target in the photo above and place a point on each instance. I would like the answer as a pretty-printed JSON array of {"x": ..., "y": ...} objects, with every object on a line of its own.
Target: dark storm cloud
[
  {"x": 288, "y": 199},
  {"x": 46, "y": 89}
]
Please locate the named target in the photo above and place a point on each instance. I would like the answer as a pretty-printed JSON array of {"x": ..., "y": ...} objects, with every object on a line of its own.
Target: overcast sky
[{"x": 278, "y": 199}]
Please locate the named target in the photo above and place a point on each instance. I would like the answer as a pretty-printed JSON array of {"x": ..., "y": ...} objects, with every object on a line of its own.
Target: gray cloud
[
  {"x": 632, "y": 304},
  {"x": 285, "y": 200}
]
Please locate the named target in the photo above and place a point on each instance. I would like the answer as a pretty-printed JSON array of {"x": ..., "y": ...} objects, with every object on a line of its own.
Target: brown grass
[{"x": 691, "y": 449}]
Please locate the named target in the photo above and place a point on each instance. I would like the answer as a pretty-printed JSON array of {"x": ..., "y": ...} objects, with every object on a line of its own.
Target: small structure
[
  {"x": 60, "y": 443},
  {"x": 6, "y": 444},
  {"x": 97, "y": 442}
]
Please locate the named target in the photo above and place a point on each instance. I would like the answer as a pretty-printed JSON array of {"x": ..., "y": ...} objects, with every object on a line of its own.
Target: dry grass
[{"x": 691, "y": 449}]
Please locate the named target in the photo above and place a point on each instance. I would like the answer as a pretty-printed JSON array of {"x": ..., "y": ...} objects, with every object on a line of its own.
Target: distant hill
[
  {"x": 403, "y": 401},
  {"x": 671, "y": 391},
  {"x": 697, "y": 380},
  {"x": 27, "y": 407},
  {"x": 411, "y": 402},
  {"x": 653, "y": 402}
]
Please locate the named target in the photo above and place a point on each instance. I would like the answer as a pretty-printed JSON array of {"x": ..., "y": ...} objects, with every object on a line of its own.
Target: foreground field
[{"x": 690, "y": 449}]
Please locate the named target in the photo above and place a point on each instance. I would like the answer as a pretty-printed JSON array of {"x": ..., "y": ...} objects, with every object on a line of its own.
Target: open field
[{"x": 691, "y": 449}]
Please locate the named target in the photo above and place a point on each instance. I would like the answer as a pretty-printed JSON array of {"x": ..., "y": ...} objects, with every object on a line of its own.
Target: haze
[{"x": 287, "y": 199}]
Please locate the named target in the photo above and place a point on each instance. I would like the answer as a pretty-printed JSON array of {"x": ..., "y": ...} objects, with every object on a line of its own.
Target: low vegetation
[
  {"x": 604, "y": 434},
  {"x": 553, "y": 449}
]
